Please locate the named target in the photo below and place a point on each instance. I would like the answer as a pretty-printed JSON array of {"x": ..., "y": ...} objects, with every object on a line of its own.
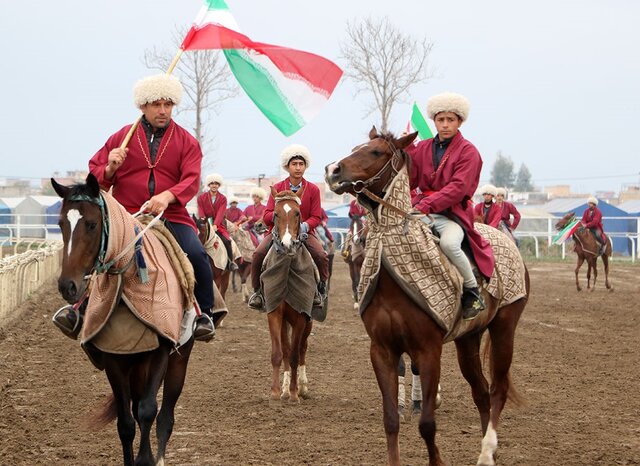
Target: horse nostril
[
  {"x": 332, "y": 169},
  {"x": 67, "y": 289}
]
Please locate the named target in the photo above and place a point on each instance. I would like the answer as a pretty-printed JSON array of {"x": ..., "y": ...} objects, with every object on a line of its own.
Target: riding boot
[
  {"x": 203, "y": 328},
  {"x": 256, "y": 301},
  {"x": 472, "y": 303},
  {"x": 321, "y": 295}
]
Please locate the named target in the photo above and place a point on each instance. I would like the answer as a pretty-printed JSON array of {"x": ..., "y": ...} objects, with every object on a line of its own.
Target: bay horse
[
  {"x": 289, "y": 328},
  {"x": 205, "y": 234},
  {"x": 587, "y": 249},
  {"x": 354, "y": 253},
  {"x": 135, "y": 379},
  {"x": 396, "y": 324}
]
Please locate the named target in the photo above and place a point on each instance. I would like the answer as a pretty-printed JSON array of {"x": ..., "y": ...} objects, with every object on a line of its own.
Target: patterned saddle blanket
[{"x": 409, "y": 251}]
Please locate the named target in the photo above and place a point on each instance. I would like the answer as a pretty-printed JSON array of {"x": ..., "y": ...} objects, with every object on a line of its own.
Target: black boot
[{"x": 472, "y": 303}]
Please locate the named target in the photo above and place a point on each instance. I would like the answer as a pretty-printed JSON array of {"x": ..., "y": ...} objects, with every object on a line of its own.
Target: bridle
[{"x": 275, "y": 236}]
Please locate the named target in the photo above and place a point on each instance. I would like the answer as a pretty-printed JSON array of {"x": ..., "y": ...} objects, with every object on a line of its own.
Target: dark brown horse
[
  {"x": 396, "y": 324},
  {"x": 353, "y": 253},
  {"x": 587, "y": 249},
  {"x": 288, "y": 327},
  {"x": 135, "y": 379}
]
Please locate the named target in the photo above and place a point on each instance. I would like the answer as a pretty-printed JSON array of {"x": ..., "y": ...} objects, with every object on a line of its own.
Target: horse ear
[
  {"x": 404, "y": 141},
  {"x": 373, "y": 133},
  {"x": 273, "y": 191},
  {"x": 60, "y": 190},
  {"x": 300, "y": 193},
  {"x": 93, "y": 185}
]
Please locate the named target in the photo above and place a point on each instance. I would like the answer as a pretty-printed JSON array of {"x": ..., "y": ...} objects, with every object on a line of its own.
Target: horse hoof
[{"x": 304, "y": 393}]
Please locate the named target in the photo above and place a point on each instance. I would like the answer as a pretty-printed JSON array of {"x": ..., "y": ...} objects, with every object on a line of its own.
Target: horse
[
  {"x": 209, "y": 237},
  {"x": 135, "y": 379},
  {"x": 396, "y": 324},
  {"x": 286, "y": 249},
  {"x": 587, "y": 249},
  {"x": 353, "y": 253},
  {"x": 242, "y": 238}
]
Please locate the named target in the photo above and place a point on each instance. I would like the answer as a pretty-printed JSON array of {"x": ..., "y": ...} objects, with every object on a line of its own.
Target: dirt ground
[{"x": 574, "y": 362}]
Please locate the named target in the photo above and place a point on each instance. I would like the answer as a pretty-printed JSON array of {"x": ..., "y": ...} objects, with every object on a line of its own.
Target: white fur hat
[
  {"x": 448, "y": 102},
  {"x": 488, "y": 189},
  {"x": 213, "y": 178},
  {"x": 233, "y": 199},
  {"x": 257, "y": 191},
  {"x": 156, "y": 87},
  {"x": 592, "y": 200},
  {"x": 501, "y": 191},
  {"x": 292, "y": 151}
]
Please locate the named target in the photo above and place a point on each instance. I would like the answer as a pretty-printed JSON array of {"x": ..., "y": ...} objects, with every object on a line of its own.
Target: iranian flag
[
  {"x": 289, "y": 86},
  {"x": 566, "y": 232},
  {"x": 419, "y": 124}
]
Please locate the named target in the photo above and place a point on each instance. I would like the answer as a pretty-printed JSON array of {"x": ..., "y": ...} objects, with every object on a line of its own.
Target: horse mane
[{"x": 287, "y": 196}]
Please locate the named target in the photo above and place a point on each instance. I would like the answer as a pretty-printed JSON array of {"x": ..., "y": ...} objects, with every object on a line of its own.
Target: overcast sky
[{"x": 552, "y": 84}]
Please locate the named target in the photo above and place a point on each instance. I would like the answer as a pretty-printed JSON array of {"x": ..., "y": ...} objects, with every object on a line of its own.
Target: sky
[{"x": 553, "y": 84}]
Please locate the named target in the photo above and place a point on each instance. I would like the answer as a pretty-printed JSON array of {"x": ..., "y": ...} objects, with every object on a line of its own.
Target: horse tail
[
  {"x": 513, "y": 395},
  {"x": 103, "y": 415}
]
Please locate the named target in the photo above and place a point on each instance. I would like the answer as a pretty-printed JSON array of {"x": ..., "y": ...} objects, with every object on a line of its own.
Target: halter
[{"x": 104, "y": 236}]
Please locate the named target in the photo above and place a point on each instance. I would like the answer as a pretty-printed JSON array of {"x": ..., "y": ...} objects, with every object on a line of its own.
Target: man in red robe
[
  {"x": 212, "y": 205},
  {"x": 445, "y": 174},
  {"x": 295, "y": 159},
  {"x": 160, "y": 167},
  {"x": 488, "y": 210},
  {"x": 356, "y": 210},
  {"x": 234, "y": 214},
  {"x": 254, "y": 213},
  {"x": 592, "y": 219},
  {"x": 508, "y": 210}
]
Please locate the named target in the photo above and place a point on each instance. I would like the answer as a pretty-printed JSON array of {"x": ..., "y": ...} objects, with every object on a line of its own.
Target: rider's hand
[
  {"x": 160, "y": 202},
  {"x": 116, "y": 158}
]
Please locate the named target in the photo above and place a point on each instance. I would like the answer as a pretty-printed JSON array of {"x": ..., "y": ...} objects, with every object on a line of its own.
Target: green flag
[{"x": 419, "y": 124}]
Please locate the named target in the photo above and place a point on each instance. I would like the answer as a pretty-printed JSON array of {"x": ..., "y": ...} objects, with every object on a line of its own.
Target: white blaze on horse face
[
  {"x": 286, "y": 238},
  {"x": 73, "y": 216}
]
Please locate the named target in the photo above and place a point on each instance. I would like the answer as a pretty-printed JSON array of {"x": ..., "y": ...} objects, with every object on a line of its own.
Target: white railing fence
[{"x": 22, "y": 274}]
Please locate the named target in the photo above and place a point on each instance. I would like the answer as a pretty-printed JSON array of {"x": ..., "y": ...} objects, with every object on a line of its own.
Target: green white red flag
[
  {"x": 289, "y": 86},
  {"x": 566, "y": 232},
  {"x": 418, "y": 123}
]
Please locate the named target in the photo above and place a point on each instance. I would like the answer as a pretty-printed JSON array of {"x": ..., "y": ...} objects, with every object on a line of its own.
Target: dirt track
[{"x": 576, "y": 363}]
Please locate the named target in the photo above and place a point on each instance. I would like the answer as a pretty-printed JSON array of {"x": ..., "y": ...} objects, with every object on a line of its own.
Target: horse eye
[{"x": 91, "y": 226}]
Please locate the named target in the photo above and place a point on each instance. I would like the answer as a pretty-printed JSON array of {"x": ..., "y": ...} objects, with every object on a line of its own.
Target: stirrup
[
  {"x": 69, "y": 326},
  {"x": 203, "y": 328},
  {"x": 256, "y": 301}
]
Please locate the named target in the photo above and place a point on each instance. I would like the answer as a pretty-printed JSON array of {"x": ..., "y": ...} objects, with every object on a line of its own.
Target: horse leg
[
  {"x": 286, "y": 354},
  {"x": 303, "y": 382},
  {"x": 118, "y": 377},
  {"x": 275, "y": 327},
  {"x": 385, "y": 366},
  {"x": 468, "y": 350},
  {"x": 595, "y": 272},
  {"x": 577, "y": 271},
  {"x": 155, "y": 368},
  {"x": 173, "y": 383},
  {"x": 501, "y": 332},
  {"x": 428, "y": 365},
  {"x": 298, "y": 329},
  {"x": 234, "y": 286},
  {"x": 605, "y": 263}
]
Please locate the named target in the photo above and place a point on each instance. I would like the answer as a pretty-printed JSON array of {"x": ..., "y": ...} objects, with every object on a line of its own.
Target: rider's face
[
  {"x": 213, "y": 187},
  {"x": 158, "y": 113},
  {"x": 447, "y": 124},
  {"x": 296, "y": 168}
]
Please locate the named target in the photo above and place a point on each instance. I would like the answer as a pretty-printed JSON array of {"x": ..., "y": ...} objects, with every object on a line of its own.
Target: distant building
[{"x": 14, "y": 187}]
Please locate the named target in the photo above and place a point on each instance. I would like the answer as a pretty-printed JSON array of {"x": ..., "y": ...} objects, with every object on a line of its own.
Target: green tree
[
  {"x": 523, "y": 180},
  {"x": 502, "y": 172}
]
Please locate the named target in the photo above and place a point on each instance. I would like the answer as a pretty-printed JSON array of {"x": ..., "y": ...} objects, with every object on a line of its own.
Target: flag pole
[{"x": 129, "y": 135}]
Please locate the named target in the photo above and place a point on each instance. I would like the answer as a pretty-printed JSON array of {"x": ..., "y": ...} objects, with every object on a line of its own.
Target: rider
[
  {"x": 488, "y": 210},
  {"x": 234, "y": 214},
  {"x": 592, "y": 219},
  {"x": 356, "y": 211},
  {"x": 255, "y": 212},
  {"x": 212, "y": 205},
  {"x": 295, "y": 159},
  {"x": 508, "y": 210},
  {"x": 162, "y": 168},
  {"x": 445, "y": 174}
]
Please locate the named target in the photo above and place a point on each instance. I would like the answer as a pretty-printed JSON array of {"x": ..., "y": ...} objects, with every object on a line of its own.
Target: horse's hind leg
[
  {"x": 173, "y": 383},
  {"x": 594, "y": 266},
  {"x": 605, "y": 262},
  {"x": 154, "y": 373},
  {"x": 501, "y": 331},
  {"x": 577, "y": 271},
  {"x": 468, "y": 350}
]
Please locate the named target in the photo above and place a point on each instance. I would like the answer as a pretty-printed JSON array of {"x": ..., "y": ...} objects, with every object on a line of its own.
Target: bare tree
[
  {"x": 206, "y": 79},
  {"x": 385, "y": 62}
]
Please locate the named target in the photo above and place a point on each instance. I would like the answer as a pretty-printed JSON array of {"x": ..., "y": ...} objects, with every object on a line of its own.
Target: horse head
[
  {"x": 82, "y": 222},
  {"x": 203, "y": 228},
  {"x": 566, "y": 220},
  {"x": 371, "y": 165},
  {"x": 286, "y": 220}
]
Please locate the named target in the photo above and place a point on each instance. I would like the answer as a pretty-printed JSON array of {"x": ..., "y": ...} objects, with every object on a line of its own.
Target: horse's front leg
[
  {"x": 577, "y": 272},
  {"x": 119, "y": 381},
  {"x": 303, "y": 381},
  {"x": 595, "y": 272},
  {"x": 298, "y": 330},
  {"x": 605, "y": 262},
  {"x": 275, "y": 324},
  {"x": 385, "y": 366}
]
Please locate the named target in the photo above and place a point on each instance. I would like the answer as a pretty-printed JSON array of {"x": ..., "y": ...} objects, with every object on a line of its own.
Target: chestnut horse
[
  {"x": 220, "y": 276},
  {"x": 587, "y": 249},
  {"x": 290, "y": 349},
  {"x": 135, "y": 379},
  {"x": 396, "y": 324}
]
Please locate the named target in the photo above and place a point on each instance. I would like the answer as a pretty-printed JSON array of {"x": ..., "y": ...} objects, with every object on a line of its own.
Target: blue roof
[{"x": 561, "y": 206}]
